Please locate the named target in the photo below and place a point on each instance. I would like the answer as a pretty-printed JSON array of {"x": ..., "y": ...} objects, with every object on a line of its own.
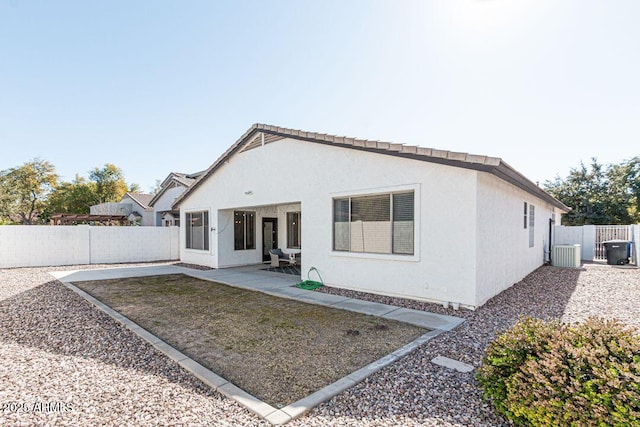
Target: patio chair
[{"x": 277, "y": 256}]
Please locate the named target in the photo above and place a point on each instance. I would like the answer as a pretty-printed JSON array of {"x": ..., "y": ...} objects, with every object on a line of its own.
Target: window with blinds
[
  {"x": 197, "y": 230},
  {"x": 381, "y": 223},
  {"x": 532, "y": 222}
]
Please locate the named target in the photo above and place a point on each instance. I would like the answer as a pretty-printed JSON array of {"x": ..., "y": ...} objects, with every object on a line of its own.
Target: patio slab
[
  {"x": 424, "y": 319},
  {"x": 320, "y": 298},
  {"x": 286, "y": 292},
  {"x": 365, "y": 307},
  {"x": 116, "y": 273}
]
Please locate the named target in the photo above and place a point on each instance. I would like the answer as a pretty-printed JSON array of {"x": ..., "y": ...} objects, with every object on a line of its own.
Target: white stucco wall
[
  {"x": 290, "y": 171},
  {"x": 165, "y": 202},
  {"x": 148, "y": 215},
  {"x": 33, "y": 246},
  {"x": 133, "y": 244},
  {"x": 36, "y": 246},
  {"x": 503, "y": 253}
]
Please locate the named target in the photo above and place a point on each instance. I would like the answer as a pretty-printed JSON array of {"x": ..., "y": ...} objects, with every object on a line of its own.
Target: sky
[{"x": 161, "y": 86}]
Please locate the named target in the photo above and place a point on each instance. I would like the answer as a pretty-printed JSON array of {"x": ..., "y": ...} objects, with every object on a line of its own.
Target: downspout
[{"x": 551, "y": 225}]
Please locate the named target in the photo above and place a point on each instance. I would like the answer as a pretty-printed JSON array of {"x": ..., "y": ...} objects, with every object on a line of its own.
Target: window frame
[
  {"x": 298, "y": 227},
  {"x": 532, "y": 225},
  {"x": 247, "y": 226},
  {"x": 206, "y": 240},
  {"x": 414, "y": 256}
]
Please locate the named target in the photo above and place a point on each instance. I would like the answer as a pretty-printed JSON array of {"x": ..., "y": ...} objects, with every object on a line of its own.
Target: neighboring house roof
[
  {"x": 142, "y": 199},
  {"x": 195, "y": 175},
  {"x": 260, "y": 134},
  {"x": 182, "y": 179}
]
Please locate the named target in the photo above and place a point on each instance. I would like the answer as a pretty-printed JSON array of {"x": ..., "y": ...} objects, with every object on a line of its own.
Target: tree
[
  {"x": 73, "y": 197},
  {"x": 157, "y": 187},
  {"x": 599, "y": 194},
  {"x": 110, "y": 183},
  {"x": 24, "y": 190},
  {"x": 105, "y": 184},
  {"x": 625, "y": 183}
]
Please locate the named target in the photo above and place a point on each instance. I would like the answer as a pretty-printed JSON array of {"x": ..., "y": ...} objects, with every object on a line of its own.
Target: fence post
[
  {"x": 635, "y": 238},
  {"x": 588, "y": 242}
]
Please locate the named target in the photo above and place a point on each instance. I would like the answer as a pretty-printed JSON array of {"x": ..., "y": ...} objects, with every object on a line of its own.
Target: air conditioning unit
[{"x": 566, "y": 256}]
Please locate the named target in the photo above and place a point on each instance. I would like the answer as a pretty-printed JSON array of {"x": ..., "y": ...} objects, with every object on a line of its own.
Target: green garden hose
[{"x": 311, "y": 284}]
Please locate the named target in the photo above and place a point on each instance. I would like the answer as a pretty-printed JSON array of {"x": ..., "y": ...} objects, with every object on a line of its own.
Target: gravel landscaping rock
[
  {"x": 66, "y": 363},
  {"x": 414, "y": 391}
]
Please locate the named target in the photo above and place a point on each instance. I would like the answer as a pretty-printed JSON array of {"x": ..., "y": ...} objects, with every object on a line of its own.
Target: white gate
[
  {"x": 591, "y": 237},
  {"x": 609, "y": 232}
]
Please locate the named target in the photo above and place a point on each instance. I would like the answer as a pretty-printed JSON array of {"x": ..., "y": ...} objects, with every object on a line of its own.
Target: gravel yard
[{"x": 66, "y": 363}]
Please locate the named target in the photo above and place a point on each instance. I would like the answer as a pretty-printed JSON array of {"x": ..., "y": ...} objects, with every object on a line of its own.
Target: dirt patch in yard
[{"x": 277, "y": 349}]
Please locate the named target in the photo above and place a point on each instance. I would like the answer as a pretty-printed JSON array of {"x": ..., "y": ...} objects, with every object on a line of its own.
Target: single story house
[
  {"x": 373, "y": 216},
  {"x": 162, "y": 202},
  {"x": 134, "y": 206}
]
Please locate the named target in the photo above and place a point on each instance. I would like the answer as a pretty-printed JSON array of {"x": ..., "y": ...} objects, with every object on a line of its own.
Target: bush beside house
[{"x": 547, "y": 373}]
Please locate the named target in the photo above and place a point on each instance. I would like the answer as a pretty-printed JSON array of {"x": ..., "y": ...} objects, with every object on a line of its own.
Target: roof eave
[
  {"x": 488, "y": 164},
  {"x": 227, "y": 154},
  {"x": 163, "y": 190},
  {"x": 507, "y": 173}
]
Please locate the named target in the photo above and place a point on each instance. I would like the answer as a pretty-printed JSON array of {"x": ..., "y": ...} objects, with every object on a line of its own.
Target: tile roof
[
  {"x": 493, "y": 165},
  {"x": 181, "y": 178},
  {"x": 141, "y": 198}
]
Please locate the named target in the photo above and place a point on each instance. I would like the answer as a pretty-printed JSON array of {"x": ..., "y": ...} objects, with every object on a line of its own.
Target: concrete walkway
[
  {"x": 277, "y": 284},
  {"x": 280, "y": 285}
]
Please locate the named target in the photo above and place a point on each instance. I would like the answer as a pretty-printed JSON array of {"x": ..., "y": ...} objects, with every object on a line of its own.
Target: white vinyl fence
[
  {"x": 37, "y": 246},
  {"x": 592, "y": 236}
]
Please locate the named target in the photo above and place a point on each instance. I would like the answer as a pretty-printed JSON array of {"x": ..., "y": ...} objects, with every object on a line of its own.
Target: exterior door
[{"x": 269, "y": 236}]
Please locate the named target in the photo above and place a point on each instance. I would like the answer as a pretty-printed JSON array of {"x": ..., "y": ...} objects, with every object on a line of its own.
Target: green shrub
[{"x": 550, "y": 374}]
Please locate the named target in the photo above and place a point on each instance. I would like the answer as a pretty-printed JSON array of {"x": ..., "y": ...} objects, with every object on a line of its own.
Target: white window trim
[
  {"x": 183, "y": 220},
  {"x": 286, "y": 234},
  {"x": 255, "y": 230},
  {"x": 379, "y": 191}
]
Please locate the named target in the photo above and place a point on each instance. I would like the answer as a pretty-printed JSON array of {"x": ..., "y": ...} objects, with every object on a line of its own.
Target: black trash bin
[{"x": 617, "y": 251}]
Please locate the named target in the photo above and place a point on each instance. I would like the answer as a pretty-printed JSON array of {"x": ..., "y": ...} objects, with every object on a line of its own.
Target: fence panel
[
  {"x": 39, "y": 246},
  {"x": 609, "y": 232},
  {"x": 591, "y": 237},
  {"x": 576, "y": 235}
]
